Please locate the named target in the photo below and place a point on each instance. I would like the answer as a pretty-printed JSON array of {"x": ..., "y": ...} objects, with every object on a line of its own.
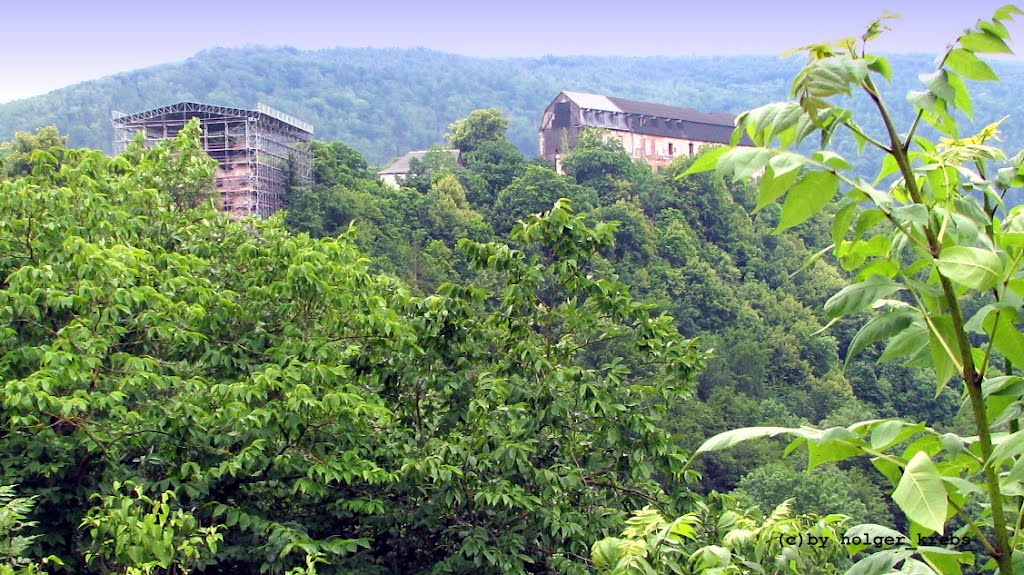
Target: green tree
[
  {"x": 14, "y": 542},
  {"x": 265, "y": 402},
  {"x": 423, "y": 172},
  {"x": 849, "y": 492},
  {"x": 602, "y": 165},
  {"x": 496, "y": 163},
  {"x": 184, "y": 171},
  {"x": 478, "y": 127},
  {"x": 16, "y": 155},
  {"x": 304, "y": 206},
  {"x": 534, "y": 191},
  {"x": 337, "y": 164},
  {"x": 635, "y": 236},
  {"x": 449, "y": 214},
  {"x": 949, "y": 240},
  {"x": 148, "y": 535}
]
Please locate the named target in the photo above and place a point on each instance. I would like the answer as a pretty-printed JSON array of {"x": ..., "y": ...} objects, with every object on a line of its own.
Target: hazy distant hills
[{"x": 386, "y": 102}]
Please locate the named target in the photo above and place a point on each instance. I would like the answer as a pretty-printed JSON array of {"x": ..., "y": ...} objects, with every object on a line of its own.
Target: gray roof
[
  {"x": 655, "y": 119},
  {"x": 622, "y": 105},
  {"x": 188, "y": 110},
  {"x": 401, "y": 165}
]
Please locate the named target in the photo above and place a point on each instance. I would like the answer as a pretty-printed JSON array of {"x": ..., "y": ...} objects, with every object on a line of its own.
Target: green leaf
[
  {"x": 888, "y": 468},
  {"x": 912, "y": 343},
  {"x": 829, "y": 77},
  {"x": 972, "y": 267},
  {"x": 705, "y": 162},
  {"x": 914, "y": 213},
  {"x": 941, "y": 181},
  {"x": 885, "y": 268},
  {"x": 947, "y": 560},
  {"x": 970, "y": 66},
  {"x": 912, "y": 566},
  {"x": 921, "y": 493},
  {"x": 889, "y": 167},
  {"x": 938, "y": 84},
  {"x": 732, "y": 437},
  {"x": 808, "y": 197},
  {"x": 856, "y": 297},
  {"x": 738, "y": 537},
  {"x": 744, "y": 162},
  {"x": 1006, "y": 338},
  {"x": 843, "y": 220},
  {"x": 985, "y": 43},
  {"x": 994, "y": 27},
  {"x": 832, "y": 160},
  {"x": 774, "y": 186},
  {"x": 880, "y": 563},
  {"x": 922, "y": 99},
  {"x": 945, "y": 350},
  {"x": 786, "y": 162},
  {"x": 606, "y": 552},
  {"x": 1007, "y": 12},
  {"x": 889, "y": 433},
  {"x": 778, "y": 120},
  {"x": 1007, "y": 447},
  {"x": 834, "y": 444},
  {"x": 881, "y": 66},
  {"x": 1017, "y": 471},
  {"x": 878, "y": 328},
  {"x": 962, "y": 96},
  {"x": 1010, "y": 385},
  {"x": 878, "y": 197}
]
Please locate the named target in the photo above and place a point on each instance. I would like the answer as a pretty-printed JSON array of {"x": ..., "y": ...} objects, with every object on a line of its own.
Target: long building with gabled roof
[{"x": 655, "y": 133}]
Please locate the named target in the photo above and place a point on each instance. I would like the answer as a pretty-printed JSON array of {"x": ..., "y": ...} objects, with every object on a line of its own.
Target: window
[
  {"x": 562, "y": 115},
  {"x": 671, "y": 149}
]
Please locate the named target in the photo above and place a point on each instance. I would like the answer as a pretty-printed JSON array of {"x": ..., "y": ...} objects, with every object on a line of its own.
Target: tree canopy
[
  {"x": 476, "y": 129},
  {"x": 270, "y": 403},
  {"x": 497, "y": 368}
]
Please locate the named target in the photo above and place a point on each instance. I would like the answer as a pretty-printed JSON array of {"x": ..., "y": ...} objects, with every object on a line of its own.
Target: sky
[{"x": 49, "y": 45}]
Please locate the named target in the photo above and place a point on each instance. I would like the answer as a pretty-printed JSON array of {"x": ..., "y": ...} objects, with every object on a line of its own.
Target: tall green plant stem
[{"x": 972, "y": 379}]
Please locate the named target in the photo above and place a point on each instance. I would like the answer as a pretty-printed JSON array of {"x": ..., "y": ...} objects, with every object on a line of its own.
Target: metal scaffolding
[{"x": 253, "y": 148}]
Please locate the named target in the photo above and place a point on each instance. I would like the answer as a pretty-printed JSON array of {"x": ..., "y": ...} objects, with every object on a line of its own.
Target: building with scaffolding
[{"x": 255, "y": 149}]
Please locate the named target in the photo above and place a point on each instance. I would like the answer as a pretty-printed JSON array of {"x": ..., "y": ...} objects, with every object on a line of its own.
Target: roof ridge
[{"x": 654, "y": 109}]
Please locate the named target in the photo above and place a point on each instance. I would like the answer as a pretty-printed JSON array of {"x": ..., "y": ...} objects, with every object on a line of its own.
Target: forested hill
[{"x": 385, "y": 102}]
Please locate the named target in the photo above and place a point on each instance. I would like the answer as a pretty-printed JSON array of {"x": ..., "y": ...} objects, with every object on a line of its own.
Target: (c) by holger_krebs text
[{"x": 808, "y": 539}]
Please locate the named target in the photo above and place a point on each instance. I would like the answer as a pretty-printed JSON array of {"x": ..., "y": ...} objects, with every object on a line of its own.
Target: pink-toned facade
[
  {"x": 654, "y": 133},
  {"x": 655, "y": 150}
]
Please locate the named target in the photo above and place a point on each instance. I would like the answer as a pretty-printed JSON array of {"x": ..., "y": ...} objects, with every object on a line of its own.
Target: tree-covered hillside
[
  {"x": 498, "y": 368},
  {"x": 386, "y": 102}
]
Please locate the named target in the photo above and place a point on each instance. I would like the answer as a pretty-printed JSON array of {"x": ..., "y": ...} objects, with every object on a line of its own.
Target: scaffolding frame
[{"x": 252, "y": 147}]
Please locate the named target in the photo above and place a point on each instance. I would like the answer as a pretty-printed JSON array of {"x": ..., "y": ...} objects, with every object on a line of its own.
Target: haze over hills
[{"x": 385, "y": 102}]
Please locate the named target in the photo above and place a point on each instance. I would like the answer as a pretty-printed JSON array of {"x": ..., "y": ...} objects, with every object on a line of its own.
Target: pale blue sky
[{"x": 47, "y": 45}]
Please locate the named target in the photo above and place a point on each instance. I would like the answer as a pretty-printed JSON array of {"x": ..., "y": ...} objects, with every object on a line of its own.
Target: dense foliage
[
  {"x": 387, "y": 102},
  {"x": 689, "y": 248},
  {"x": 453, "y": 377},
  {"x": 938, "y": 258},
  {"x": 182, "y": 390}
]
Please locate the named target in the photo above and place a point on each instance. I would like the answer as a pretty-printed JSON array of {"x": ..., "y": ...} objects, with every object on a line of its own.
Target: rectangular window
[{"x": 563, "y": 112}]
